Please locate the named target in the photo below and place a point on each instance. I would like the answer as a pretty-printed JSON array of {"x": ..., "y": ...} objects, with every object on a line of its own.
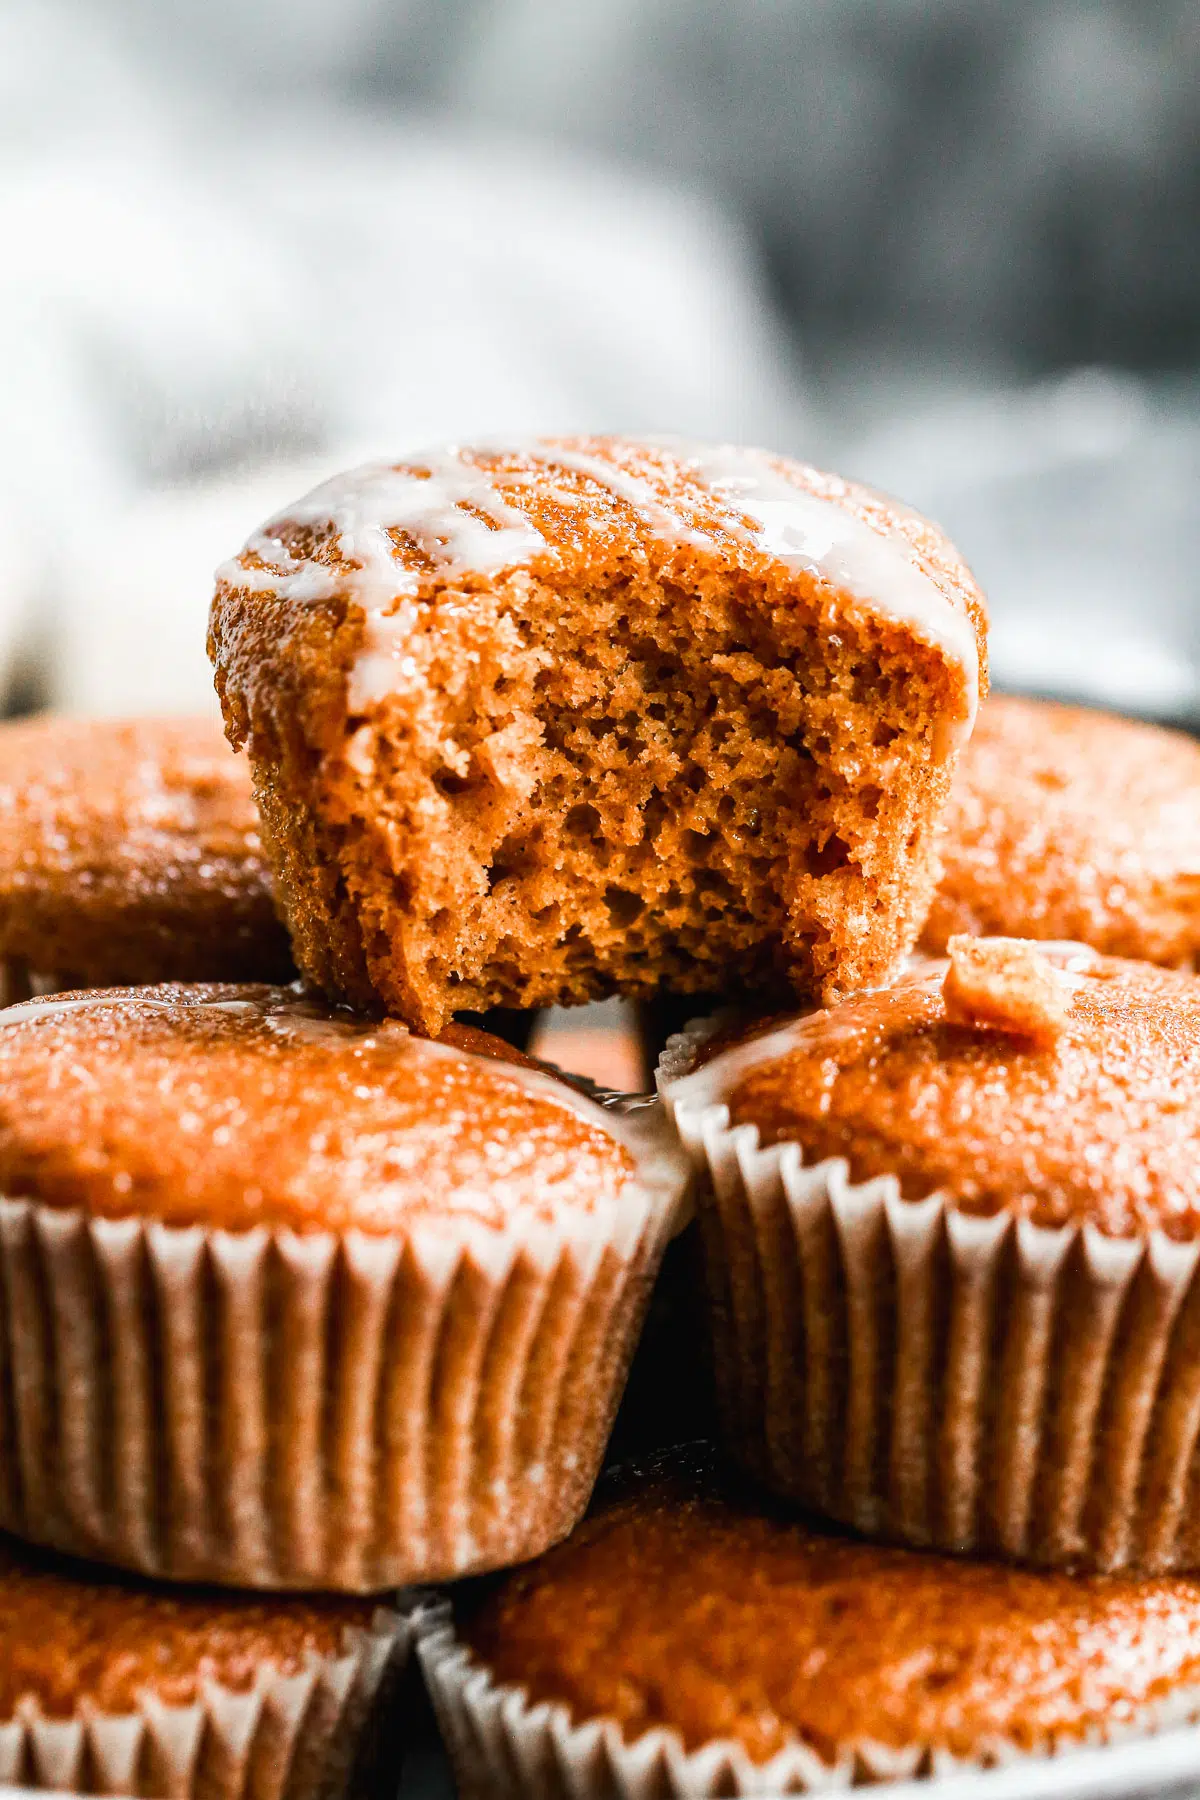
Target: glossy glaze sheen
[
  {"x": 240, "y": 1106},
  {"x": 688, "y": 1604},
  {"x": 73, "y": 1636},
  {"x": 1067, "y": 823},
  {"x": 382, "y": 531},
  {"x": 129, "y": 850},
  {"x": 1102, "y": 1125}
]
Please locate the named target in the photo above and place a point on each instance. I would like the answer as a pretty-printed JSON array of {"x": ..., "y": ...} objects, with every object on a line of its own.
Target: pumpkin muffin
[
  {"x": 537, "y": 722},
  {"x": 951, "y": 1232},
  {"x": 1066, "y": 823},
  {"x": 110, "y": 1686},
  {"x": 129, "y": 852},
  {"x": 296, "y": 1300},
  {"x": 689, "y": 1640}
]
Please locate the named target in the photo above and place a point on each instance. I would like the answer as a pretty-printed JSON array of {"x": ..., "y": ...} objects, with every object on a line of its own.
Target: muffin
[
  {"x": 689, "y": 1641},
  {"x": 294, "y": 1300},
  {"x": 1065, "y": 823},
  {"x": 110, "y": 1686},
  {"x": 951, "y": 1232},
  {"x": 538, "y": 722},
  {"x": 129, "y": 852}
]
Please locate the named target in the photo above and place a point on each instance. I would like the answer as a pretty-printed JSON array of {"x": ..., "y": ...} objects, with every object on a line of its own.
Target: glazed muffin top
[
  {"x": 385, "y": 533},
  {"x": 1042, "y": 1080},
  {"x": 541, "y": 721},
  {"x": 76, "y": 1637},
  {"x": 233, "y": 1107},
  {"x": 776, "y": 1633},
  {"x": 129, "y": 851},
  {"x": 1066, "y": 823}
]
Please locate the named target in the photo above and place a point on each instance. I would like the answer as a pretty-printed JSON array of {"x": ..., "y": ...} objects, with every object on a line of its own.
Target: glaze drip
[
  {"x": 715, "y": 1080},
  {"x": 808, "y": 532},
  {"x": 285, "y": 1014},
  {"x": 453, "y": 511}
]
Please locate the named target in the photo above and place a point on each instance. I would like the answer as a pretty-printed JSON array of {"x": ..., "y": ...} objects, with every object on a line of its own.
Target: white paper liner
[
  {"x": 944, "y": 1380},
  {"x": 502, "y": 1747},
  {"x": 276, "y": 1410},
  {"x": 289, "y": 1737}
]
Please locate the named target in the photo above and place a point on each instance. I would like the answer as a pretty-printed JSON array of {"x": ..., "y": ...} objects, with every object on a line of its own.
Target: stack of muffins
[{"x": 318, "y": 1287}]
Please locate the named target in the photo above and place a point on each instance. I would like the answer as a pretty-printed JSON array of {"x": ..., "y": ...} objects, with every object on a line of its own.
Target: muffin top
[
  {"x": 235, "y": 1106},
  {"x": 1065, "y": 823},
  {"x": 1043, "y": 1080},
  {"x": 129, "y": 850},
  {"x": 74, "y": 1636},
  {"x": 776, "y": 1633},
  {"x": 387, "y": 536}
]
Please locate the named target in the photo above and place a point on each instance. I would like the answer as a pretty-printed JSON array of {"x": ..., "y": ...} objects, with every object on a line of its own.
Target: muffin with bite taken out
[{"x": 539, "y": 721}]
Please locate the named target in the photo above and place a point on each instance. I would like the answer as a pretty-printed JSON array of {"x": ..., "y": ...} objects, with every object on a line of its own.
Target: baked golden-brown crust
[
  {"x": 129, "y": 852},
  {"x": 690, "y": 1604},
  {"x": 74, "y": 1637},
  {"x": 647, "y": 750},
  {"x": 235, "y": 1106},
  {"x": 1097, "y": 1123},
  {"x": 1067, "y": 823}
]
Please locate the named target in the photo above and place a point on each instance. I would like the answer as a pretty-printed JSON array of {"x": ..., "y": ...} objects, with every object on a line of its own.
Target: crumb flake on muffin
[
  {"x": 1008, "y": 984},
  {"x": 1096, "y": 1121},
  {"x": 129, "y": 852},
  {"x": 951, "y": 1236},
  {"x": 539, "y": 722}
]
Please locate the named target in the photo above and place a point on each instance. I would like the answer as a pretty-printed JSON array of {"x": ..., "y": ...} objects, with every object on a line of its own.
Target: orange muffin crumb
[
  {"x": 538, "y": 722},
  {"x": 1005, "y": 983},
  {"x": 74, "y": 1636}
]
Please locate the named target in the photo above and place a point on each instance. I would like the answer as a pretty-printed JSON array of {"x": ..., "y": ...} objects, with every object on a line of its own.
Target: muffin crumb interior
[{"x": 1007, "y": 985}]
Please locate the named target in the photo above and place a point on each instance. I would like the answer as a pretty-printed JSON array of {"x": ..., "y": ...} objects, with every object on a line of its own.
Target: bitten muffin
[
  {"x": 951, "y": 1233},
  {"x": 1065, "y": 823},
  {"x": 537, "y": 722},
  {"x": 295, "y": 1300},
  {"x": 110, "y": 1686},
  {"x": 688, "y": 1640},
  {"x": 129, "y": 852}
]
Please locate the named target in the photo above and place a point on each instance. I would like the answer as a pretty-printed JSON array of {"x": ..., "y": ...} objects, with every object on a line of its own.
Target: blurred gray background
[{"x": 948, "y": 245}]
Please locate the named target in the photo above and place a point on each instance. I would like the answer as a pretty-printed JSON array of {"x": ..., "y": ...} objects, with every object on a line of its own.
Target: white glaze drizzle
[
  {"x": 439, "y": 507},
  {"x": 436, "y": 500},
  {"x": 639, "y": 493},
  {"x": 35, "y": 1010},
  {"x": 714, "y": 1081},
  {"x": 817, "y": 535}
]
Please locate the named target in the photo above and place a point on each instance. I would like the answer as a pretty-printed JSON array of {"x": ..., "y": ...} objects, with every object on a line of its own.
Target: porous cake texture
[{"x": 538, "y": 722}]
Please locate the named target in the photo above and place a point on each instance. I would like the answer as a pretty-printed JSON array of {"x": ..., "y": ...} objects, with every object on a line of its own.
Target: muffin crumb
[{"x": 1005, "y": 984}]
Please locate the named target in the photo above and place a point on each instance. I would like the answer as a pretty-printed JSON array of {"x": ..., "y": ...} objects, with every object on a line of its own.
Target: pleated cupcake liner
[
  {"x": 502, "y": 1746},
  {"x": 275, "y": 1410},
  {"x": 945, "y": 1380},
  {"x": 288, "y": 1737}
]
